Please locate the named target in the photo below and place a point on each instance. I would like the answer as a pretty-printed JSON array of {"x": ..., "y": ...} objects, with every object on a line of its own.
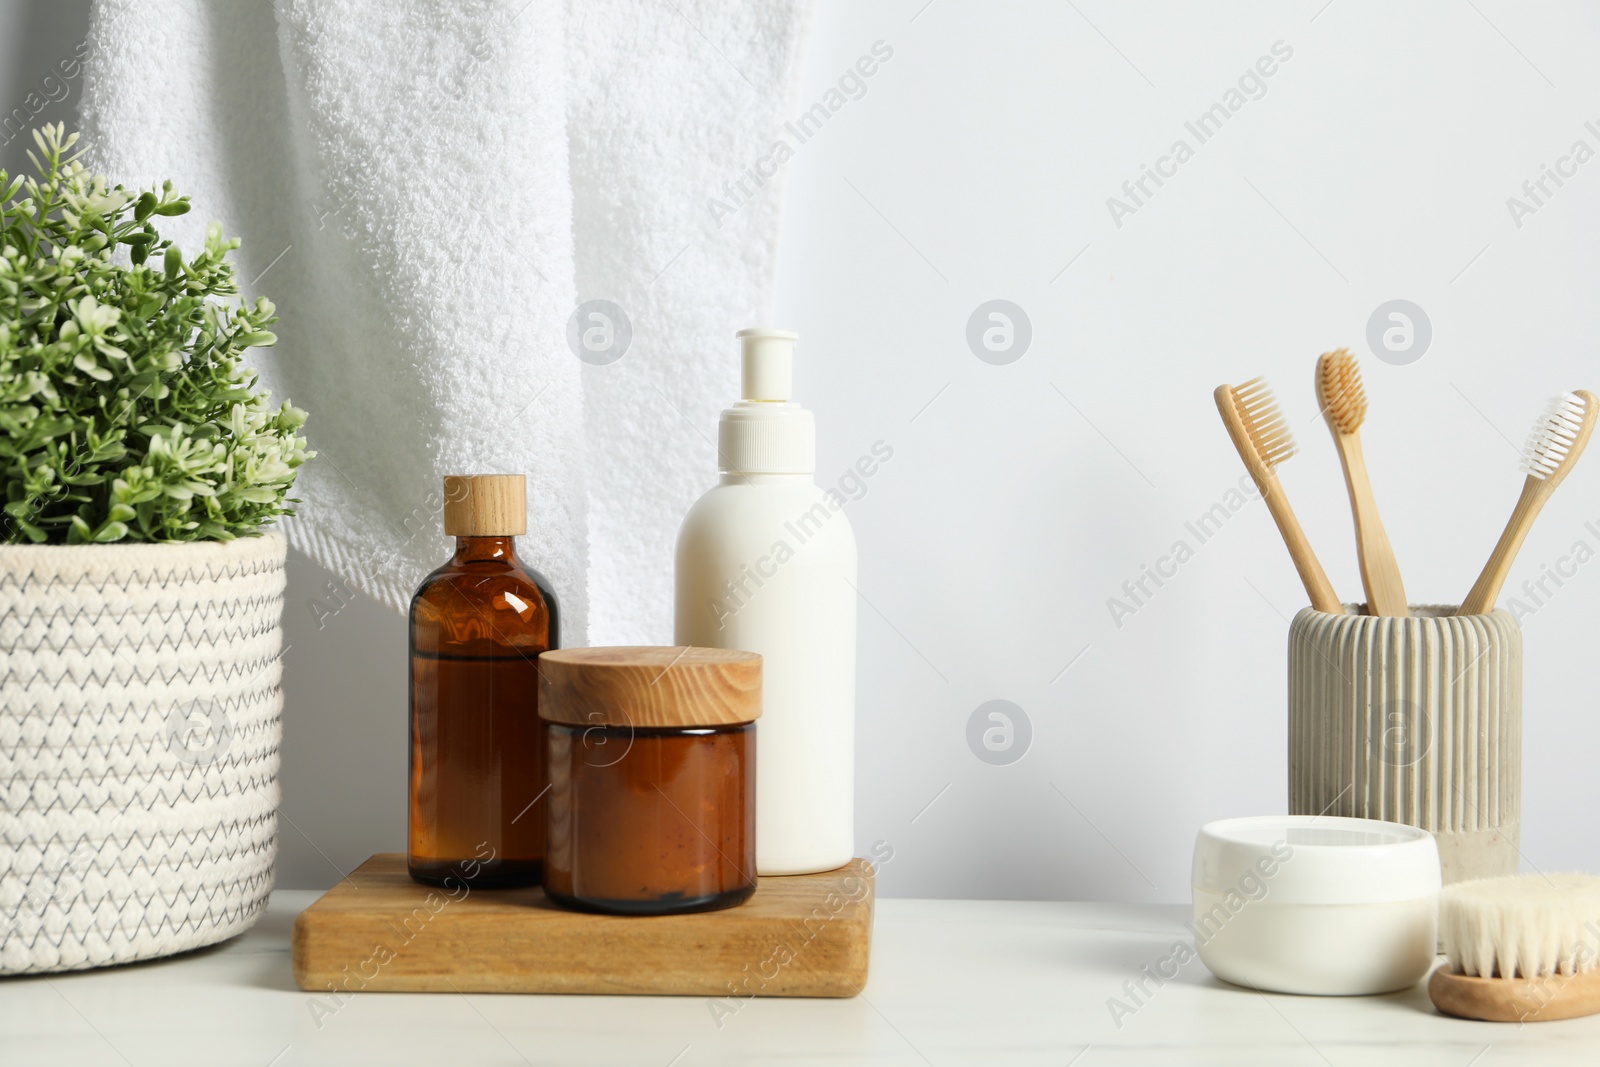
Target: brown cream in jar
[{"x": 651, "y": 762}]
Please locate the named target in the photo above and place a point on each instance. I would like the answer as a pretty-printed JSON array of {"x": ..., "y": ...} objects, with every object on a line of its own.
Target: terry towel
[{"x": 440, "y": 196}]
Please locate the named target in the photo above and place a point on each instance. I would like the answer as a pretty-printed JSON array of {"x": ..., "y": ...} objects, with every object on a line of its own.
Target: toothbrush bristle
[
  {"x": 1264, "y": 422},
  {"x": 1343, "y": 397},
  {"x": 1553, "y": 436}
]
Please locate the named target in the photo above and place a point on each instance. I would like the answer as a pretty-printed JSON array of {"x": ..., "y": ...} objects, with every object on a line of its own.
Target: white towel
[
  {"x": 670, "y": 103},
  {"x": 427, "y": 189}
]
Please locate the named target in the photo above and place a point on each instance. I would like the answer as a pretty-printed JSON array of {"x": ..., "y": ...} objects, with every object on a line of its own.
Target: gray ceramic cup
[{"x": 1415, "y": 720}]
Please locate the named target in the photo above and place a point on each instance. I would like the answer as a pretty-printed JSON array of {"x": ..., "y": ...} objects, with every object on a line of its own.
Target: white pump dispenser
[{"x": 766, "y": 562}]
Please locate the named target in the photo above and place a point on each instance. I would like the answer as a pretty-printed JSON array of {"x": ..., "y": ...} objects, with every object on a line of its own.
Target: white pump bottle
[{"x": 766, "y": 563}]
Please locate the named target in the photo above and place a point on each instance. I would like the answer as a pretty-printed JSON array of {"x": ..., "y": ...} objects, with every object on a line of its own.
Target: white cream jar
[{"x": 1316, "y": 904}]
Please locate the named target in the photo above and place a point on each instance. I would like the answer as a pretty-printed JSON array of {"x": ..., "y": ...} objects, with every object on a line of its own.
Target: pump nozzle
[
  {"x": 766, "y": 432},
  {"x": 768, "y": 363}
]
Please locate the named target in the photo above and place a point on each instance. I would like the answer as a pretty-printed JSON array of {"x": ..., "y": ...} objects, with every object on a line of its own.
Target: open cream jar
[{"x": 1316, "y": 904}]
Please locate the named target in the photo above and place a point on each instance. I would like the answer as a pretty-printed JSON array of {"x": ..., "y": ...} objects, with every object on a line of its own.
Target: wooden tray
[{"x": 804, "y": 936}]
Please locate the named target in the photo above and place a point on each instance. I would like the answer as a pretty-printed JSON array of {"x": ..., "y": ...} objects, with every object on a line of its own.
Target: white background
[{"x": 977, "y": 166}]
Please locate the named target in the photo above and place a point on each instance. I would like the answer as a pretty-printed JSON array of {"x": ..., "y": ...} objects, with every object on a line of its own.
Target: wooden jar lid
[
  {"x": 485, "y": 505},
  {"x": 649, "y": 687}
]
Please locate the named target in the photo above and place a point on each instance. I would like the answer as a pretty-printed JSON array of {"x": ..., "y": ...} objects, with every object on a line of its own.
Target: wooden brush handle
[
  {"x": 1515, "y": 1000},
  {"x": 1380, "y": 571},
  {"x": 1312, "y": 576},
  {"x": 1487, "y": 588}
]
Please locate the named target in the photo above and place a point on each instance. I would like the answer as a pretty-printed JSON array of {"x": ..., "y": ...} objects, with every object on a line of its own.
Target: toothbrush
[
  {"x": 1262, "y": 436},
  {"x": 1344, "y": 405},
  {"x": 1553, "y": 447}
]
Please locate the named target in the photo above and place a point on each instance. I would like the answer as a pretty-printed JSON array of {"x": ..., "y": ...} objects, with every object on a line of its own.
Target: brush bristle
[
  {"x": 1522, "y": 926},
  {"x": 1343, "y": 398},
  {"x": 1552, "y": 438},
  {"x": 1268, "y": 429}
]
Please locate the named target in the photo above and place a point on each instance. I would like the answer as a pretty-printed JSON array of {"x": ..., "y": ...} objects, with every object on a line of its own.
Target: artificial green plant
[{"x": 126, "y": 413}]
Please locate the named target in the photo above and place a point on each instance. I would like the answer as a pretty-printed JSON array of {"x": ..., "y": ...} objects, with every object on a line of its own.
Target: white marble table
[{"x": 953, "y": 982}]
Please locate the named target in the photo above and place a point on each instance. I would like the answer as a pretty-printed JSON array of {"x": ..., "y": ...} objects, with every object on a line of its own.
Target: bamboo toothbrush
[
  {"x": 1344, "y": 405},
  {"x": 1262, "y": 436},
  {"x": 1553, "y": 447},
  {"x": 1519, "y": 949}
]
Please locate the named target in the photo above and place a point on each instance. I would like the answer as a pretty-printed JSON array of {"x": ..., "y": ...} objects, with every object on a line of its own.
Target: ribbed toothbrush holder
[{"x": 1413, "y": 720}]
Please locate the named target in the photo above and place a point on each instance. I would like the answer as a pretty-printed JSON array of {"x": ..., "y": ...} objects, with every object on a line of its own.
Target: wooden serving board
[{"x": 803, "y": 936}]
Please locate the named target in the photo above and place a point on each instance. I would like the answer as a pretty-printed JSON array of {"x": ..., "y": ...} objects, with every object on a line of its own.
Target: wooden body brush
[
  {"x": 1525, "y": 948},
  {"x": 1554, "y": 446},
  {"x": 1344, "y": 405},
  {"x": 1262, "y": 436}
]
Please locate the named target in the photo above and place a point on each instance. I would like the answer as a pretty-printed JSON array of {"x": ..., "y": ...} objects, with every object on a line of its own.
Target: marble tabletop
[{"x": 953, "y": 982}]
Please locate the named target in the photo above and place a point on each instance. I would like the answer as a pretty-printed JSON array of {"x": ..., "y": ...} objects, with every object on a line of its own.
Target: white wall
[
  {"x": 36, "y": 36},
  {"x": 1020, "y": 497},
  {"x": 1376, "y": 166}
]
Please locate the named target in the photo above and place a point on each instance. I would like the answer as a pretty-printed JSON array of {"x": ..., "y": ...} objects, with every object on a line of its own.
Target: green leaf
[
  {"x": 85, "y": 362},
  {"x": 47, "y": 427}
]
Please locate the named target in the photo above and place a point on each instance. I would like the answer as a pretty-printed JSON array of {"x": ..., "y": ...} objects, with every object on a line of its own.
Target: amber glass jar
[
  {"x": 478, "y": 625},
  {"x": 651, "y": 756}
]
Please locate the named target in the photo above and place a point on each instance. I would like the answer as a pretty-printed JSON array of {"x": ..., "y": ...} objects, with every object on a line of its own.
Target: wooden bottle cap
[
  {"x": 646, "y": 686},
  {"x": 485, "y": 505}
]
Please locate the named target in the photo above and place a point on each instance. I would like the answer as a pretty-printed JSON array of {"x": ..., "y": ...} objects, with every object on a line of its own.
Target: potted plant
[{"x": 140, "y": 598}]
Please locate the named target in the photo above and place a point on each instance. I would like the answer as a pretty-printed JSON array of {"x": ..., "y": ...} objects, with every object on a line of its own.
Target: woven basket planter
[{"x": 139, "y": 729}]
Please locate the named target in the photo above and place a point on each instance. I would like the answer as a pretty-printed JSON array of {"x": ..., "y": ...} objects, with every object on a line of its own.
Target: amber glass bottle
[{"x": 478, "y": 624}]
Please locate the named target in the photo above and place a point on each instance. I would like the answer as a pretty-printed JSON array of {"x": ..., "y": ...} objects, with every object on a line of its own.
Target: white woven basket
[{"x": 139, "y": 728}]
